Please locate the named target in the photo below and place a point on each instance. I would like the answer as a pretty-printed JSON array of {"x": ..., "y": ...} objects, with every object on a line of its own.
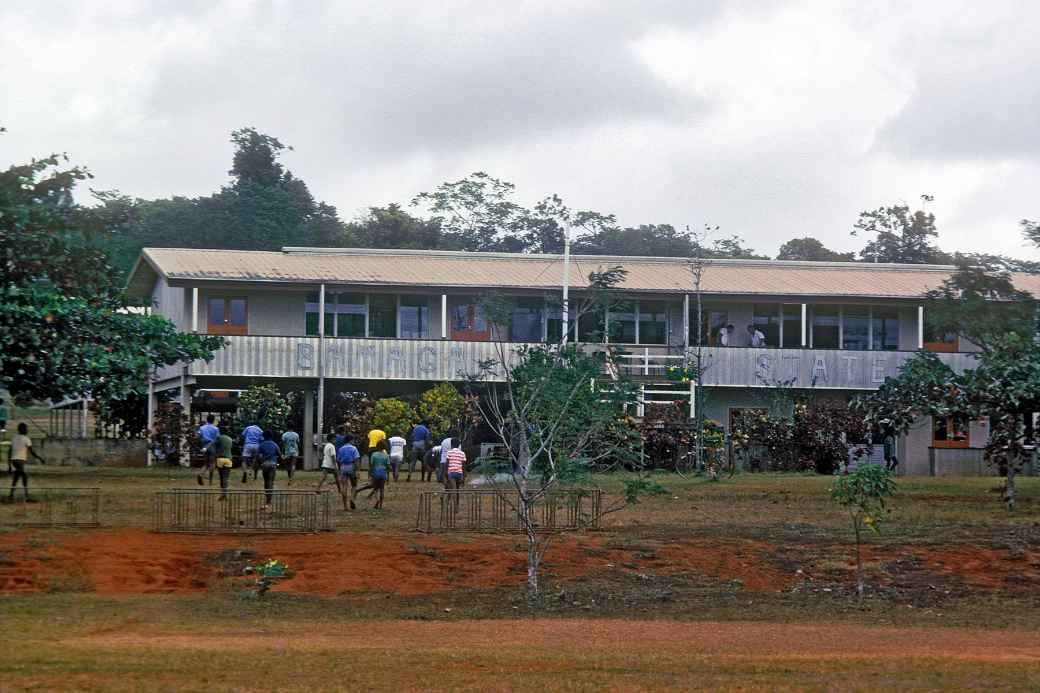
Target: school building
[{"x": 321, "y": 321}]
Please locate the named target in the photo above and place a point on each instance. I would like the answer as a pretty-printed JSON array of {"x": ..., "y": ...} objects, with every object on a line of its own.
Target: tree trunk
[
  {"x": 1009, "y": 486},
  {"x": 533, "y": 561},
  {"x": 859, "y": 560}
]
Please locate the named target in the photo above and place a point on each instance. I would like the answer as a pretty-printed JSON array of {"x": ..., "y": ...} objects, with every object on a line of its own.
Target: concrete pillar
[
  {"x": 195, "y": 309},
  {"x": 805, "y": 324},
  {"x": 920, "y": 327},
  {"x": 444, "y": 316},
  {"x": 309, "y": 437}
]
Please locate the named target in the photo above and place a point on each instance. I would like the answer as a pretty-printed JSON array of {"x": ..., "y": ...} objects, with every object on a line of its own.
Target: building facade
[{"x": 391, "y": 322}]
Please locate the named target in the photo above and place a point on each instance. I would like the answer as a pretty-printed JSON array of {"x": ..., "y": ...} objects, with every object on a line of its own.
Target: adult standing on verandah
[
  {"x": 252, "y": 436},
  {"x": 291, "y": 451},
  {"x": 421, "y": 441},
  {"x": 208, "y": 435}
]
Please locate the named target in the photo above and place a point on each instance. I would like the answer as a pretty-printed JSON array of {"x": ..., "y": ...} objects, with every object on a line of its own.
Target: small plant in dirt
[
  {"x": 863, "y": 493},
  {"x": 266, "y": 575}
]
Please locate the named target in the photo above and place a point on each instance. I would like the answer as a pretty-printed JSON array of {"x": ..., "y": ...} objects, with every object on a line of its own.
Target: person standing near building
[
  {"x": 21, "y": 449},
  {"x": 208, "y": 434},
  {"x": 252, "y": 436},
  {"x": 291, "y": 451},
  {"x": 456, "y": 470},
  {"x": 431, "y": 463},
  {"x": 397, "y": 444},
  {"x": 756, "y": 337},
  {"x": 421, "y": 440},
  {"x": 328, "y": 461},
  {"x": 888, "y": 444},
  {"x": 3, "y": 428},
  {"x": 378, "y": 462},
  {"x": 348, "y": 459},
  {"x": 224, "y": 462},
  {"x": 725, "y": 332},
  {"x": 269, "y": 454}
]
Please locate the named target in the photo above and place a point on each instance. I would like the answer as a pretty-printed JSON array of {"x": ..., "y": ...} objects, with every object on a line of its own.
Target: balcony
[{"x": 440, "y": 360}]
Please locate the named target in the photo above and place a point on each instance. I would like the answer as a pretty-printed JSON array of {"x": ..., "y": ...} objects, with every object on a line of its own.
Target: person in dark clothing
[
  {"x": 888, "y": 443},
  {"x": 269, "y": 454},
  {"x": 420, "y": 439}
]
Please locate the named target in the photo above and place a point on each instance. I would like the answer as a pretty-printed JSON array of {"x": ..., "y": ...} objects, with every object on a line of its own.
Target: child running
[
  {"x": 456, "y": 470},
  {"x": 224, "y": 463},
  {"x": 420, "y": 444},
  {"x": 397, "y": 444},
  {"x": 291, "y": 451},
  {"x": 269, "y": 453},
  {"x": 208, "y": 434},
  {"x": 378, "y": 462},
  {"x": 21, "y": 448},
  {"x": 328, "y": 461},
  {"x": 348, "y": 459},
  {"x": 252, "y": 436}
]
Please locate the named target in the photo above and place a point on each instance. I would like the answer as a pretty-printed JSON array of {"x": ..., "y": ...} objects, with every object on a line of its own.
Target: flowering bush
[{"x": 267, "y": 573}]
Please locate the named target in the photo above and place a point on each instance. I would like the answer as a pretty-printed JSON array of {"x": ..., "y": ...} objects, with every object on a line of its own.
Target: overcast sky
[{"x": 771, "y": 119}]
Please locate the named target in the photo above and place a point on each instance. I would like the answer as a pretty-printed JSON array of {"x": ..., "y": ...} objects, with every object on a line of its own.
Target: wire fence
[
  {"x": 494, "y": 510},
  {"x": 211, "y": 511},
  {"x": 53, "y": 507}
]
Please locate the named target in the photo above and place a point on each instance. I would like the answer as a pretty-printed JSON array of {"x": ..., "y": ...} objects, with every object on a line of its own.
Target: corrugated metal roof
[{"x": 518, "y": 271}]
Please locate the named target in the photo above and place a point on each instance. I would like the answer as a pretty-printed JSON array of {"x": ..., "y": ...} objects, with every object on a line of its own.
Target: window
[
  {"x": 766, "y": 319},
  {"x": 382, "y": 316},
  {"x": 825, "y": 327},
  {"x": 415, "y": 317},
  {"x": 856, "y": 328},
  {"x": 653, "y": 322},
  {"x": 792, "y": 326},
  {"x": 313, "y": 306},
  {"x": 526, "y": 325},
  {"x": 886, "y": 329},
  {"x": 227, "y": 316},
  {"x": 554, "y": 320},
  {"x": 950, "y": 432},
  {"x": 591, "y": 327},
  {"x": 623, "y": 323},
  {"x": 712, "y": 322}
]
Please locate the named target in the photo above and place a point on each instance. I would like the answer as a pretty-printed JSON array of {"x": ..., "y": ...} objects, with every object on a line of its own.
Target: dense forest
[{"x": 265, "y": 207}]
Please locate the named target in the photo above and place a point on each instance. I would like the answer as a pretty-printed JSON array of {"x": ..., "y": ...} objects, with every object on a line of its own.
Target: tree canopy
[
  {"x": 811, "y": 249},
  {"x": 66, "y": 328},
  {"x": 900, "y": 235}
]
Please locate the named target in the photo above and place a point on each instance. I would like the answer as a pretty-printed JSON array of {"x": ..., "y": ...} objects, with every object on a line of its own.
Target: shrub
[{"x": 393, "y": 416}]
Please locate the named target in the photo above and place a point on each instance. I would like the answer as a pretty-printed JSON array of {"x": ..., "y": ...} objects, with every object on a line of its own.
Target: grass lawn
[{"x": 744, "y": 583}]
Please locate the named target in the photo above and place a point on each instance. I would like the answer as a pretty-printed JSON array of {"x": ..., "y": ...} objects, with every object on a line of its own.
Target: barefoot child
[
  {"x": 397, "y": 444},
  {"x": 21, "y": 448},
  {"x": 378, "y": 462},
  {"x": 291, "y": 452},
  {"x": 348, "y": 459}
]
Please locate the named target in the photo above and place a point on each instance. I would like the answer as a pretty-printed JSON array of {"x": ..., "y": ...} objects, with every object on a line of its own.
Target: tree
[
  {"x": 475, "y": 213},
  {"x": 265, "y": 406},
  {"x": 810, "y": 249},
  {"x": 393, "y": 227},
  {"x": 352, "y": 410},
  {"x": 66, "y": 328},
  {"x": 980, "y": 303},
  {"x": 393, "y": 416},
  {"x": 900, "y": 235},
  {"x": 443, "y": 408},
  {"x": 863, "y": 493}
]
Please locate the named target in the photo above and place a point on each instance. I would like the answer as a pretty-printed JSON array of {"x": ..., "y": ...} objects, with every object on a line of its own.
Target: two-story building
[{"x": 320, "y": 321}]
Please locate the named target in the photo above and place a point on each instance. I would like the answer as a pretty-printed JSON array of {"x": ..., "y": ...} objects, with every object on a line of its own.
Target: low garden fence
[
  {"x": 53, "y": 507},
  {"x": 208, "y": 510},
  {"x": 495, "y": 510}
]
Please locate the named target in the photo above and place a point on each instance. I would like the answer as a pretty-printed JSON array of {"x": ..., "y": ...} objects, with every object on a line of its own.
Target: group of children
[{"x": 341, "y": 459}]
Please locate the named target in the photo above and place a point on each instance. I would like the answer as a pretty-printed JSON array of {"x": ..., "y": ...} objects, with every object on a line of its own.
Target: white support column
[
  {"x": 920, "y": 327},
  {"x": 870, "y": 328},
  {"x": 368, "y": 309},
  {"x": 186, "y": 411},
  {"x": 321, "y": 366},
  {"x": 693, "y": 399},
  {"x": 841, "y": 327},
  {"x": 149, "y": 458},
  {"x": 195, "y": 309},
  {"x": 83, "y": 417},
  {"x": 686, "y": 321},
  {"x": 636, "y": 306},
  {"x": 312, "y": 442},
  {"x": 444, "y": 316},
  {"x": 805, "y": 331}
]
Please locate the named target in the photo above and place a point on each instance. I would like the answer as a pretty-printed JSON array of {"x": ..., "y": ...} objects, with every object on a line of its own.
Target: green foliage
[
  {"x": 393, "y": 416},
  {"x": 443, "y": 408},
  {"x": 810, "y": 249},
  {"x": 863, "y": 493},
  {"x": 900, "y": 235},
  {"x": 266, "y": 574},
  {"x": 980, "y": 303},
  {"x": 265, "y": 406},
  {"x": 65, "y": 327},
  {"x": 351, "y": 410},
  {"x": 128, "y": 415},
  {"x": 173, "y": 433},
  {"x": 670, "y": 436},
  {"x": 640, "y": 486}
]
